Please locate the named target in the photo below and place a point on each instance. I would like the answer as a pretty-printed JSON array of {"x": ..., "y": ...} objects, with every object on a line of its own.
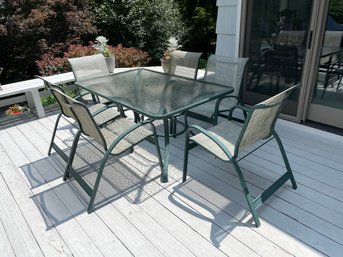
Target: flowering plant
[
  {"x": 172, "y": 46},
  {"x": 101, "y": 46},
  {"x": 16, "y": 109}
]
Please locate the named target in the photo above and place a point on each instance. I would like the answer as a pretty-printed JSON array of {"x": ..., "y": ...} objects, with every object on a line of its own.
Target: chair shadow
[
  {"x": 222, "y": 219},
  {"x": 63, "y": 201}
]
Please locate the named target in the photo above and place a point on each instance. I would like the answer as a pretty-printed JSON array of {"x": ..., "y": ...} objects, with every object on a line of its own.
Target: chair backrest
[
  {"x": 61, "y": 101},
  {"x": 88, "y": 66},
  {"x": 292, "y": 37},
  {"x": 227, "y": 71},
  {"x": 80, "y": 113},
  {"x": 87, "y": 124},
  {"x": 184, "y": 64},
  {"x": 261, "y": 120}
]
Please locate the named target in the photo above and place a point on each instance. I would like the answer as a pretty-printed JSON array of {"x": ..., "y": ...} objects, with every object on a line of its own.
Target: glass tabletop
[{"x": 154, "y": 94}]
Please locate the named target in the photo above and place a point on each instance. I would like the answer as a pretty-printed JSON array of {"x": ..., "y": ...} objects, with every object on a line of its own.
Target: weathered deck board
[{"x": 136, "y": 215}]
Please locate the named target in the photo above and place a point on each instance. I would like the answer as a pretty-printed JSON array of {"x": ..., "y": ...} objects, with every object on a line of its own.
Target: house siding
[{"x": 228, "y": 27}]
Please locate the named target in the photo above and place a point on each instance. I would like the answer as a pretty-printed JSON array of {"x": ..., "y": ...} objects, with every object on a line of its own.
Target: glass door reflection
[{"x": 276, "y": 43}]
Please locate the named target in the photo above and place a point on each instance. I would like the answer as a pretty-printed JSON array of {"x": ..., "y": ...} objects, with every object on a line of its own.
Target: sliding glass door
[
  {"x": 277, "y": 34},
  {"x": 326, "y": 104}
]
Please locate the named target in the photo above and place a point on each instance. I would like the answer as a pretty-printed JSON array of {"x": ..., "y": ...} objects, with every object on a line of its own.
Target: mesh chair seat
[
  {"x": 226, "y": 132},
  {"x": 117, "y": 128},
  {"x": 102, "y": 116}
]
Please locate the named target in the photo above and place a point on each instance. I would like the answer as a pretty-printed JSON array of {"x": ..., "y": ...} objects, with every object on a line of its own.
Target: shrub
[
  {"x": 125, "y": 57},
  {"x": 129, "y": 56},
  {"x": 140, "y": 23}
]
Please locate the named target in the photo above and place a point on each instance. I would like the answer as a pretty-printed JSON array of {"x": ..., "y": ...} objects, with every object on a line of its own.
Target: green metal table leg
[{"x": 164, "y": 176}]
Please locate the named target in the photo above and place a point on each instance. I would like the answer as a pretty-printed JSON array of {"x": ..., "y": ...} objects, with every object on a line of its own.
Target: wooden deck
[{"x": 136, "y": 215}]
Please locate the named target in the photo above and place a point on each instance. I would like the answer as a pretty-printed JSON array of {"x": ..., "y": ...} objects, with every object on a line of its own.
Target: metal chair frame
[
  {"x": 245, "y": 139},
  {"x": 97, "y": 109},
  {"x": 227, "y": 71},
  {"x": 89, "y": 127}
]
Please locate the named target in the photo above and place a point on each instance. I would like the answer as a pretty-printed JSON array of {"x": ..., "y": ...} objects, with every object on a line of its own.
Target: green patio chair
[
  {"x": 101, "y": 112},
  {"x": 226, "y": 71},
  {"x": 115, "y": 138},
  {"x": 86, "y": 67},
  {"x": 184, "y": 64},
  {"x": 229, "y": 138}
]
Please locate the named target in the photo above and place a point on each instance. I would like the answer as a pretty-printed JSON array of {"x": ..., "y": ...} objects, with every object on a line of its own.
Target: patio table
[{"x": 156, "y": 95}]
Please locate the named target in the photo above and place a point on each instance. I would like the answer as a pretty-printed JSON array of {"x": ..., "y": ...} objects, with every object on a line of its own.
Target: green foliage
[
  {"x": 48, "y": 100},
  {"x": 147, "y": 24},
  {"x": 125, "y": 57},
  {"x": 34, "y": 27},
  {"x": 200, "y": 18},
  {"x": 336, "y": 10}
]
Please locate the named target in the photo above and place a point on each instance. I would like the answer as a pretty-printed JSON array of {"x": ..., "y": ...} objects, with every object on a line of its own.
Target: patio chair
[
  {"x": 101, "y": 113},
  {"x": 86, "y": 67},
  {"x": 115, "y": 138},
  {"x": 227, "y": 71},
  {"x": 184, "y": 64},
  {"x": 229, "y": 138}
]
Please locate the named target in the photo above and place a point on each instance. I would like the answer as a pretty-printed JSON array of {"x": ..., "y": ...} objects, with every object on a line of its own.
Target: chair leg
[
  {"x": 54, "y": 133},
  {"x": 248, "y": 197},
  {"x": 285, "y": 159},
  {"x": 97, "y": 181},
  {"x": 339, "y": 82},
  {"x": 71, "y": 155},
  {"x": 185, "y": 159}
]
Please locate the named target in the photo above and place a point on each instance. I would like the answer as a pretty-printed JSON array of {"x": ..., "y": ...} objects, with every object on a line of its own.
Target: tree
[
  {"x": 33, "y": 27},
  {"x": 336, "y": 10},
  {"x": 200, "y": 18},
  {"x": 147, "y": 24}
]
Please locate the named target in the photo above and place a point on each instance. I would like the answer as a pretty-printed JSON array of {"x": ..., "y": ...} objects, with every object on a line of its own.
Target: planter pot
[
  {"x": 111, "y": 63},
  {"x": 165, "y": 65}
]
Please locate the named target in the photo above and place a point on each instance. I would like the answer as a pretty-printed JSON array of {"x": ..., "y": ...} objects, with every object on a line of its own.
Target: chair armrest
[
  {"x": 210, "y": 136},
  {"x": 238, "y": 106}
]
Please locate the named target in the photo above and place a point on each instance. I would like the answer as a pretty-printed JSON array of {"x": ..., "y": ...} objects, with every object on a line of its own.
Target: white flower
[
  {"x": 101, "y": 46},
  {"x": 173, "y": 44},
  {"x": 101, "y": 40}
]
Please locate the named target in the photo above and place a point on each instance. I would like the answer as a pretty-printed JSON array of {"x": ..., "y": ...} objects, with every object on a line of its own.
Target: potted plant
[
  {"x": 16, "y": 109},
  {"x": 172, "y": 46},
  {"x": 102, "y": 47}
]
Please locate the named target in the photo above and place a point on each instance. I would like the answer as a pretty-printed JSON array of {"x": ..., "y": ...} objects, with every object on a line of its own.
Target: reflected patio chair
[
  {"x": 101, "y": 113},
  {"x": 229, "y": 139},
  {"x": 184, "y": 64},
  {"x": 226, "y": 71},
  {"x": 86, "y": 67},
  {"x": 330, "y": 74},
  {"x": 281, "y": 62},
  {"x": 114, "y": 138}
]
